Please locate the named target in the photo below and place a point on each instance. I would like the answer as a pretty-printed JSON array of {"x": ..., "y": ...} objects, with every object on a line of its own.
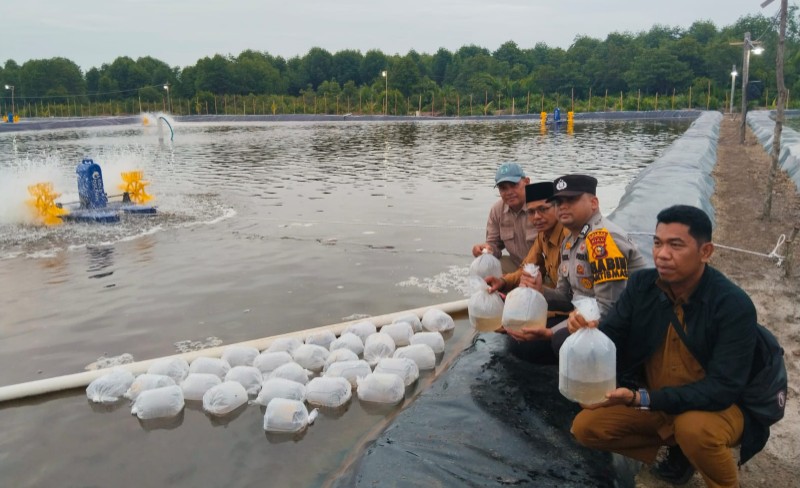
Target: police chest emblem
[
  {"x": 564, "y": 269},
  {"x": 568, "y": 246},
  {"x": 580, "y": 269},
  {"x": 561, "y": 185},
  {"x": 587, "y": 283},
  {"x": 583, "y": 247}
]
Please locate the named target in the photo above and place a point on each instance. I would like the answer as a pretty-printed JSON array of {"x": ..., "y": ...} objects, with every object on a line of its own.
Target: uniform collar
[{"x": 555, "y": 234}]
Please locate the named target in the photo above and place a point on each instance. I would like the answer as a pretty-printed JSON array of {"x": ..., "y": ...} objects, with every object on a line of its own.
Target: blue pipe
[{"x": 171, "y": 132}]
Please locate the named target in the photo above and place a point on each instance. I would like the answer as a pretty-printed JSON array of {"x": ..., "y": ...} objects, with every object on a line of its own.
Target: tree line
[{"x": 622, "y": 71}]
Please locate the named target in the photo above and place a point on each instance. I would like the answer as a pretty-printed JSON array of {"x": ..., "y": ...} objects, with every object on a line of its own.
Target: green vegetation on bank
[{"x": 663, "y": 68}]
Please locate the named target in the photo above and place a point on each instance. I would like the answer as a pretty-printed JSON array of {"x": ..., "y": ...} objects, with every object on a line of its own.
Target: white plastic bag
[
  {"x": 323, "y": 338},
  {"x": 378, "y": 346},
  {"x": 361, "y": 329},
  {"x": 412, "y": 319},
  {"x": 310, "y": 356},
  {"x": 381, "y": 388},
  {"x": 267, "y": 362},
  {"x": 485, "y": 310},
  {"x": 197, "y": 384},
  {"x": 158, "y": 403},
  {"x": 175, "y": 368},
  {"x": 405, "y": 368},
  {"x": 280, "y": 388},
  {"x": 285, "y": 416},
  {"x": 485, "y": 265},
  {"x": 147, "y": 381},
  {"x": 239, "y": 355},
  {"x": 224, "y": 398},
  {"x": 400, "y": 333},
  {"x": 248, "y": 376},
  {"x": 287, "y": 344},
  {"x": 291, "y": 371},
  {"x": 348, "y": 340},
  {"x": 210, "y": 365},
  {"x": 434, "y": 320},
  {"x": 422, "y": 354},
  {"x": 340, "y": 355},
  {"x": 524, "y": 307},
  {"x": 109, "y": 387},
  {"x": 433, "y": 339},
  {"x": 328, "y": 392},
  {"x": 588, "y": 307},
  {"x": 349, "y": 370}
]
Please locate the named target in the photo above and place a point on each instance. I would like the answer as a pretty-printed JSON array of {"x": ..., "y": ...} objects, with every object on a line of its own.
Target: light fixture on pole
[
  {"x": 169, "y": 102},
  {"x": 733, "y": 86},
  {"x": 385, "y": 74},
  {"x": 11, "y": 87},
  {"x": 756, "y": 48}
]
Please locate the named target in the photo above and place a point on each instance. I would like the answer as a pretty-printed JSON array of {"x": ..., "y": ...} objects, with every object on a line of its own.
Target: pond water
[{"x": 263, "y": 228}]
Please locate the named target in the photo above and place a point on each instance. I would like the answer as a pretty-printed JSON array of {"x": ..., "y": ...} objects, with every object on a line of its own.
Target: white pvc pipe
[{"x": 77, "y": 380}]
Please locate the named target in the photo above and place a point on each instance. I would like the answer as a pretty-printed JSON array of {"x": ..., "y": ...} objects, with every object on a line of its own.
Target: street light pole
[
  {"x": 169, "y": 102},
  {"x": 733, "y": 86},
  {"x": 11, "y": 87},
  {"x": 745, "y": 70},
  {"x": 385, "y": 74}
]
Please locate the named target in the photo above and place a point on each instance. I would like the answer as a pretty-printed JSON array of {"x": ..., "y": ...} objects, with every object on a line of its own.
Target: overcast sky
[{"x": 179, "y": 32}]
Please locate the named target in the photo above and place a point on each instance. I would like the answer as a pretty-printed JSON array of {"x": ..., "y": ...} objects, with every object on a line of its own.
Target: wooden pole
[
  {"x": 789, "y": 260},
  {"x": 605, "y": 101},
  {"x": 708, "y": 97},
  {"x": 528, "y": 103},
  {"x": 639, "y": 100},
  {"x": 690, "y": 98},
  {"x": 590, "y": 100},
  {"x": 673, "y": 99},
  {"x": 779, "y": 114}
]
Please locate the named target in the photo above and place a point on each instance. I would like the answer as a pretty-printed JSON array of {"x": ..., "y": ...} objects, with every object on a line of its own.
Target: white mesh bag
[
  {"x": 400, "y": 333},
  {"x": 405, "y": 368},
  {"x": 267, "y": 362},
  {"x": 412, "y": 319},
  {"x": 361, "y": 329},
  {"x": 163, "y": 402},
  {"x": 328, "y": 392},
  {"x": 378, "y": 346},
  {"x": 348, "y": 340},
  {"x": 147, "y": 381},
  {"x": 349, "y": 370},
  {"x": 287, "y": 344},
  {"x": 323, "y": 338},
  {"x": 109, "y": 387},
  {"x": 197, "y": 384},
  {"x": 215, "y": 366},
  {"x": 422, "y": 354},
  {"x": 248, "y": 376},
  {"x": 310, "y": 356},
  {"x": 175, "y": 368},
  {"x": 434, "y": 320},
  {"x": 280, "y": 388},
  {"x": 433, "y": 339},
  {"x": 291, "y": 371},
  {"x": 340, "y": 355},
  {"x": 239, "y": 355},
  {"x": 285, "y": 416}
]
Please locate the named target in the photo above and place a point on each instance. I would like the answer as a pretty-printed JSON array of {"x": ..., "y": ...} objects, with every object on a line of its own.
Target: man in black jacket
[{"x": 666, "y": 397}]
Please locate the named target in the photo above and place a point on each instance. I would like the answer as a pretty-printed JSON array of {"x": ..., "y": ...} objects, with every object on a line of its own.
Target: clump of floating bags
[{"x": 291, "y": 378}]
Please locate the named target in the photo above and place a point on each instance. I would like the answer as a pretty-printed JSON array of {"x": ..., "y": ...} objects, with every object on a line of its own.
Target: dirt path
[{"x": 740, "y": 176}]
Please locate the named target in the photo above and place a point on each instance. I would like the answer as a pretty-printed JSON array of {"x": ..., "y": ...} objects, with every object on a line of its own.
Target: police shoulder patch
[{"x": 606, "y": 260}]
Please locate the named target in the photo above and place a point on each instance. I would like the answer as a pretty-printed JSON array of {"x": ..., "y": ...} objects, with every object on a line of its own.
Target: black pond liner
[{"x": 490, "y": 420}]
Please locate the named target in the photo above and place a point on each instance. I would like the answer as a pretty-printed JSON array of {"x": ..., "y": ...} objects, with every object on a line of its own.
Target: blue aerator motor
[{"x": 90, "y": 185}]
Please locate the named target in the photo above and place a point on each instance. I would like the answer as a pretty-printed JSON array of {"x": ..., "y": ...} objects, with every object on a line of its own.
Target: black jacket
[{"x": 720, "y": 324}]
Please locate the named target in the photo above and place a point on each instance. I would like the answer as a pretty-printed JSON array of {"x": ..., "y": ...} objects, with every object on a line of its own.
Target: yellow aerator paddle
[
  {"x": 134, "y": 186},
  {"x": 44, "y": 203}
]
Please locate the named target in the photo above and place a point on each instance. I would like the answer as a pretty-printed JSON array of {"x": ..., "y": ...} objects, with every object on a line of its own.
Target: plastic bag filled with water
[
  {"x": 224, "y": 398},
  {"x": 349, "y": 340},
  {"x": 175, "y": 368},
  {"x": 248, "y": 376},
  {"x": 323, "y": 338},
  {"x": 280, "y": 388},
  {"x": 287, "y": 344},
  {"x": 215, "y": 366},
  {"x": 434, "y": 320},
  {"x": 291, "y": 371},
  {"x": 147, "y": 381},
  {"x": 362, "y": 329},
  {"x": 485, "y": 310},
  {"x": 110, "y": 387},
  {"x": 267, "y": 362},
  {"x": 433, "y": 339},
  {"x": 381, "y": 388},
  {"x": 285, "y": 416},
  {"x": 340, "y": 355},
  {"x": 485, "y": 265},
  {"x": 587, "y": 362},
  {"x": 422, "y": 354},
  {"x": 400, "y": 332},
  {"x": 197, "y": 384},
  {"x": 378, "y": 346},
  {"x": 310, "y": 356},
  {"x": 405, "y": 368},
  {"x": 158, "y": 403},
  {"x": 328, "y": 392},
  {"x": 349, "y": 370},
  {"x": 412, "y": 319},
  {"x": 524, "y": 307},
  {"x": 239, "y": 355}
]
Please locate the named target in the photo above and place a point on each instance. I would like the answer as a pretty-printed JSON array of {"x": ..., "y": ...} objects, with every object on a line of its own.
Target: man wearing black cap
[
  {"x": 596, "y": 257},
  {"x": 507, "y": 226}
]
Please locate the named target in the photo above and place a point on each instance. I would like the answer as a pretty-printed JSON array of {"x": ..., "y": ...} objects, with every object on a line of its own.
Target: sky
[{"x": 180, "y": 32}]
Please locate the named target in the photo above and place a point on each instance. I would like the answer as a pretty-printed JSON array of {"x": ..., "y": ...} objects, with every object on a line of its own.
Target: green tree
[
  {"x": 318, "y": 65},
  {"x": 371, "y": 66},
  {"x": 347, "y": 66}
]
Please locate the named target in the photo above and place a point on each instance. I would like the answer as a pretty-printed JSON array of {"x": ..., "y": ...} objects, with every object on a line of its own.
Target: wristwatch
[{"x": 644, "y": 399}]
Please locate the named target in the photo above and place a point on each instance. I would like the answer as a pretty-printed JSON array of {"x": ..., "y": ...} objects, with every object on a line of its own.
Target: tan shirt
[
  {"x": 545, "y": 253},
  {"x": 510, "y": 230}
]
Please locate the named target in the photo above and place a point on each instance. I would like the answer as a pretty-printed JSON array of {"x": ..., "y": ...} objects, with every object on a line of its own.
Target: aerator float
[{"x": 93, "y": 205}]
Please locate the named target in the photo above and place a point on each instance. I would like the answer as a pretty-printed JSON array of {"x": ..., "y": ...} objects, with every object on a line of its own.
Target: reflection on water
[{"x": 263, "y": 228}]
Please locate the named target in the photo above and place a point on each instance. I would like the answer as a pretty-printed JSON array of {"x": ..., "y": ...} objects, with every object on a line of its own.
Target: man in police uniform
[
  {"x": 596, "y": 258},
  {"x": 508, "y": 226}
]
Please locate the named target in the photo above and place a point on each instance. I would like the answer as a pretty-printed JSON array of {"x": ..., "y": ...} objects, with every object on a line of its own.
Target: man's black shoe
[{"x": 675, "y": 468}]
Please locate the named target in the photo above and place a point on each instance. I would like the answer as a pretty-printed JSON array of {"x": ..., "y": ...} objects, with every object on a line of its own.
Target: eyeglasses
[{"x": 541, "y": 210}]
